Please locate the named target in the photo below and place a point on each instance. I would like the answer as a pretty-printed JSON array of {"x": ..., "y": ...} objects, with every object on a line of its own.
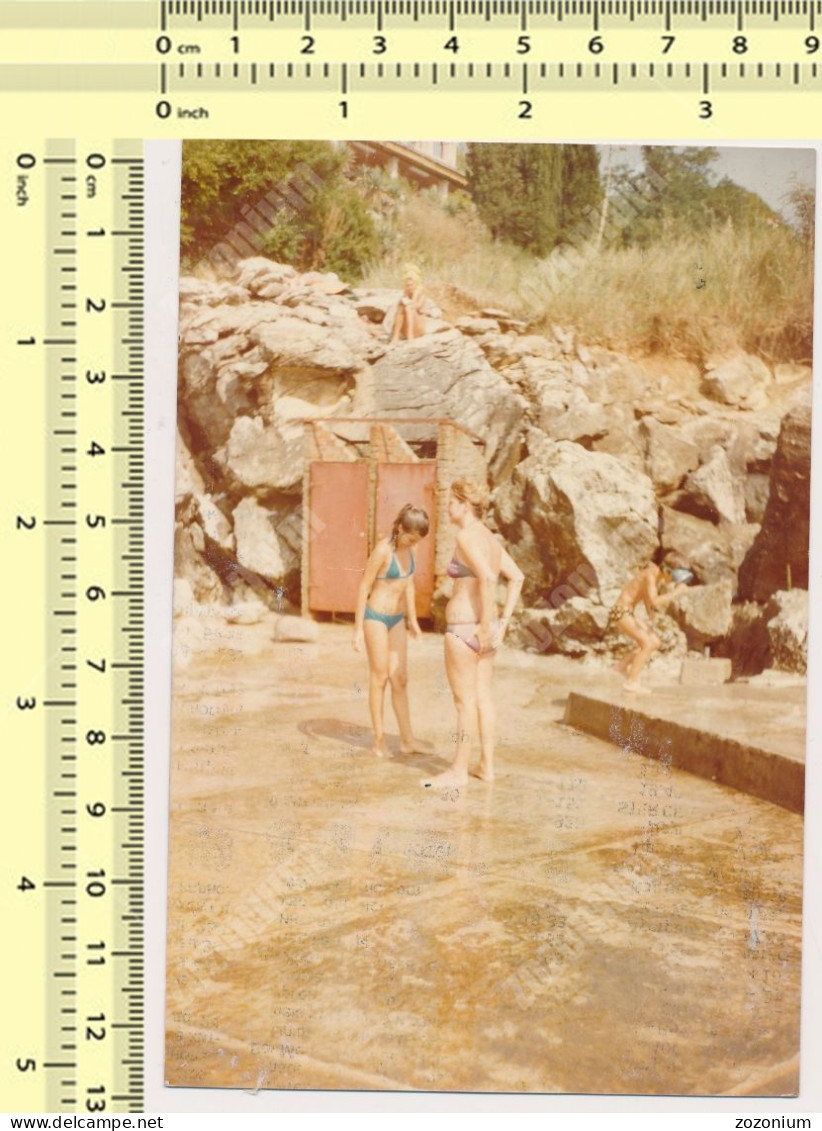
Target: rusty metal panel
[
  {"x": 337, "y": 538},
  {"x": 416, "y": 483}
]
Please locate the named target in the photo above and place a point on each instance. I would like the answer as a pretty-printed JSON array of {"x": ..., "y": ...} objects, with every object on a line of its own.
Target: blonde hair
[
  {"x": 473, "y": 493},
  {"x": 412, "y": 271}
]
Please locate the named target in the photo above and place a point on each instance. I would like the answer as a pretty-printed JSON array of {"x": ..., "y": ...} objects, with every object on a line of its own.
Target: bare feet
[
  {"x": 379, "y": 749},
  {"x": 483, "y": 773},
  {"x": 448, "y": 778},
  {"x": 416, "y": 746},
  {"x": 635, "y": 688}
]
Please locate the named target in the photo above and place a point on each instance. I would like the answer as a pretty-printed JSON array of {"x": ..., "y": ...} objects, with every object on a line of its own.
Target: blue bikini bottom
[{"x": 390, "y": 620}]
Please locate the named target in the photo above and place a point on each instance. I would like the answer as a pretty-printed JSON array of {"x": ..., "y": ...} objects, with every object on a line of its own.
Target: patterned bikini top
[{"x": 456, "y": 568}]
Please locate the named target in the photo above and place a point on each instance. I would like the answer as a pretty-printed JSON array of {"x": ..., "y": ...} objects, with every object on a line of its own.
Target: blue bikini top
[{"x": 393, "y": 572}]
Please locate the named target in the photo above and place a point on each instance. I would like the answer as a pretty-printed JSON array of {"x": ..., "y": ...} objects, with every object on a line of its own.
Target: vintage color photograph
[{"x": 490, "y": 618}]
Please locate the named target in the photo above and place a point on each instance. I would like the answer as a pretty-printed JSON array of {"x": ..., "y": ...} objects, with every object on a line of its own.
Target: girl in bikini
[
  {"x": 473, "y": 631},
  {"x": 384, "y": 602}
]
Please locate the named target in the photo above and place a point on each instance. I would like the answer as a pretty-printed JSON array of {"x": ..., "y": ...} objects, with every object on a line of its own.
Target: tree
[
  {"x": 223, "y": 179},
  {"x": 681, "y": 184},
  {"x": 517, "y": 190},
  {"x": 582, "y": 191}
]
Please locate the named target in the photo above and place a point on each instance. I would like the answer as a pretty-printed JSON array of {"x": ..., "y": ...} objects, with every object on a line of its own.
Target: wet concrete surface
[{"x": 594, "y": 921}]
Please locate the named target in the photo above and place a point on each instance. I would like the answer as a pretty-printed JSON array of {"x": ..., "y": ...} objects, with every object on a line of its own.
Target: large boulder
[
  {"x": 447, "y": 375},
  {"x": 786, "y": 616},
  {"x": 779, "y": 556},
  {"x": 263, "y": 277},
  {"x": 714, "y": 553},
  {"x": 747, "y": 644},
  {"x": 568, "y": 508},
  {"x": 704, "y": 613},
  {"x": 580, "y": 421},
  {"x": 293, "y": 346},
  {"x": 190, "y": 562},
  {"x": 577, "y": 627},
  {"x": 668, "y": 457},
  {"x": 269, "y": 456},
  {"x": 263, "y": 547},
  {"x": 714, "y": 491},
  {"x": 740, "y": 381}
]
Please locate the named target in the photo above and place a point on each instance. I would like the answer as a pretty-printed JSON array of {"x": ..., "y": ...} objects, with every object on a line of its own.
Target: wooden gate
[
  {"x": 337, "y": 539},
  {"x": 416, "y": 483}
]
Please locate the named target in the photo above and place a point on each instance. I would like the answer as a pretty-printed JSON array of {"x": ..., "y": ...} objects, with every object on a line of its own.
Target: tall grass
[{"x": 686, "y": 295}]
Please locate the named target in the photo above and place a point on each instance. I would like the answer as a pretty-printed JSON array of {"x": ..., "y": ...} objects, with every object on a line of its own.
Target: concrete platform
[
  {"x": 748, "y": 737},
  {"x": 596, "y": 921}
]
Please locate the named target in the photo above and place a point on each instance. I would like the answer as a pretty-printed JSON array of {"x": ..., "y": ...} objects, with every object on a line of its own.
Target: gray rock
[
  {"x": 786, "y": 616},
  {"x": 214, "y": 523},
  {"x": 199, "y": 291},
  {"x": 260, "y": 548},
  {"x": 704, "y": 613},
  {"x": 579, "y": 422},
  {"x": 668, "y": 457},
  {"x": 246, "y": 612},
  {"x": 189, "y": 563},
  {"x": 447, "y": 375},
  {"x": 259, "y": 274},
  {"x": 567, "y": 508},
  {"x": 747, "y": 644},
  {"x": 477, "y": 326},
  {"x": 781, "y": 547},
  {"x": 714, "y": 553},
  {"x": 294, "y": 347},
  {"x": 270, "y": 455},
  {"x": 740, "y": 381},
  {"x": 577, "y": 628},
  {"x": 713, "y": 491}
]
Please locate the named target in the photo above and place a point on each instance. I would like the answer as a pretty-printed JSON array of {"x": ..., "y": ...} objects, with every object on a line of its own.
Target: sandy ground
[{"x": 594, "y": 921}]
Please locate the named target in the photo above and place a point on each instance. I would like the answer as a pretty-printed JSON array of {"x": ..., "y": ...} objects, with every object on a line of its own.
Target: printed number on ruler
[
  {"x": 72, "y": 672},
  {"x": 183, "y": 66}
]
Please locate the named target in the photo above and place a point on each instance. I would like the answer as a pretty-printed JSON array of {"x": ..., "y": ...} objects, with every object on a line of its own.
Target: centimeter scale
[
  {"x": 71, "y": 672},
  {"x": 524, "y": 68}
]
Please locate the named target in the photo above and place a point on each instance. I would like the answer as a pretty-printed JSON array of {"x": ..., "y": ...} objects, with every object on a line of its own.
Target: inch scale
[
  {"x": 71, "y": 670},
  {"x": 524, "y": 68}
]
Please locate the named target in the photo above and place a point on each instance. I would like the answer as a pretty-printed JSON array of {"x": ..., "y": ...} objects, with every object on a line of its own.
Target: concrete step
[{"x": 750, "y": 739}]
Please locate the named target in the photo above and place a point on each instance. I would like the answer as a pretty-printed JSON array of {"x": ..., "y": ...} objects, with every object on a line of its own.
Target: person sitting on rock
[
  {"x": 644, "y": 587},
  {"x": 409, "y": 321}
]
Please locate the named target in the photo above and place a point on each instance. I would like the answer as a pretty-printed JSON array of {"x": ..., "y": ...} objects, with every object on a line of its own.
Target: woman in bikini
[
  {"x": 473, "y": 631},
  {"x": 384, "y": 602}
]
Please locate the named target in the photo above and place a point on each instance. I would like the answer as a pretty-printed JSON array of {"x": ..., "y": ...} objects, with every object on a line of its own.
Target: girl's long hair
[{"x": 410, "y": 520}]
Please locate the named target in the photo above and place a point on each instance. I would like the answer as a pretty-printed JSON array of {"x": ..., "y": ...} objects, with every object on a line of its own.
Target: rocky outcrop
[
  {"x": 568, "y": 509},
  {"x": 448, "y": 375},
  {"x": 704, "y": 613},
  {"x": 779, "y": 556},
  {"x": 740, "y": 381},
  {"x": 713, "y": 552},
  {"x": 596, "y": 460},
  {"x": 786, "y": 616}
]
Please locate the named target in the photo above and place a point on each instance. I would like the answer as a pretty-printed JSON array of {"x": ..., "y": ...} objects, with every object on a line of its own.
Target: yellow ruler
[
  {"x": 522, "y": 68},
  {"x": 71, "y": 672}
]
